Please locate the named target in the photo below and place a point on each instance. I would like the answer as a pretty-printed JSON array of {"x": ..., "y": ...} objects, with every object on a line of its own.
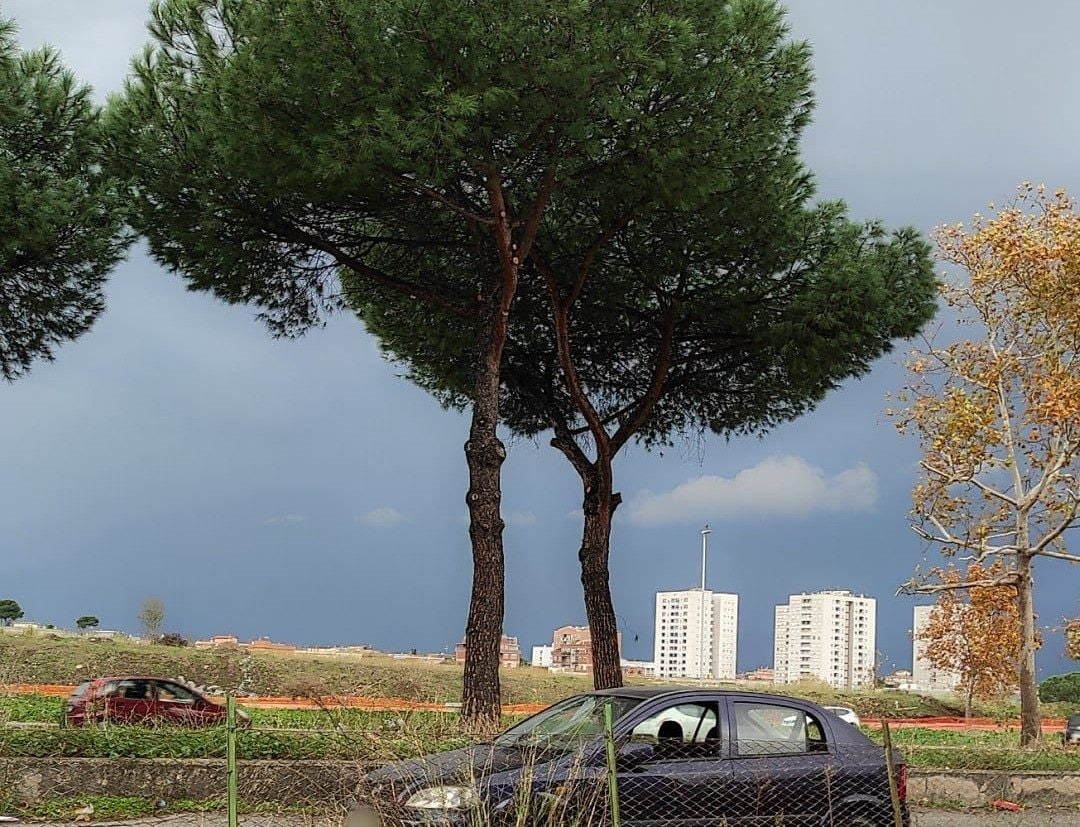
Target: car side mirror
[{"x": 633, "y": 755}]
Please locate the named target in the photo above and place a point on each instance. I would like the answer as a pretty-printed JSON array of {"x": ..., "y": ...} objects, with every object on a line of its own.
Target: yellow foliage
[
  {"x": 1009, "y": 396},
  {"x": 976, "y": 634}
]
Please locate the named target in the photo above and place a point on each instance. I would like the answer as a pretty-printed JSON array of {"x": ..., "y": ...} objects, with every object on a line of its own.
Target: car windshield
[
  {"x": 568, "y": 723},
  {"x": 80, "y": 689},
  {"x": 1074, "y": 721}
]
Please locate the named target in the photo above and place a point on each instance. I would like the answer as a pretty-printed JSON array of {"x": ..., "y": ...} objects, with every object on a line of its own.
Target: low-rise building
[
  {"x": 509, "y": 652},
  {"x": 571, "y": 649},
  {"x": 541, "y": 657},
  {"x": 217, "y": 641},
  {"x": 763, "y": 674}
]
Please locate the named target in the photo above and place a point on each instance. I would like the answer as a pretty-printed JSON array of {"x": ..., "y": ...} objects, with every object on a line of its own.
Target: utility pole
[{"x": 705, "y": 532}]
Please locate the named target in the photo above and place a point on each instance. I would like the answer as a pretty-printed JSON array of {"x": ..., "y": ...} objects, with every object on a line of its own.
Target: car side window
[
  {"x": 133, "y": 691},
  {"x": 690, "y": 730},
  {"x": 174, "y": 693},
  {"x": 106, "y": 690},
  {"x": 774, "y": 729}
]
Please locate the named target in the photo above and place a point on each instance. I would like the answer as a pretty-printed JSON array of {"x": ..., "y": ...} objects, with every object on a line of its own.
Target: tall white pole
[{"x": 701, "y": 638}]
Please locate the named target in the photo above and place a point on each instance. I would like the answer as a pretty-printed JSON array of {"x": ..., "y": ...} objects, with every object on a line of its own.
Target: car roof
[
  {"x": 647, "y": 692},
  {"x": 136, "y": 678}
]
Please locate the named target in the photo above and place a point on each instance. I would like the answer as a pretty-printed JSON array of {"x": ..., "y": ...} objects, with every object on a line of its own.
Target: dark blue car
[{"x": 684, "y": 757}]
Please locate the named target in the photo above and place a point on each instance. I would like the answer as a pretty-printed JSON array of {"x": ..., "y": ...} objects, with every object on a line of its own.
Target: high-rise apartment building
[
  {"x": 828, "y": 635},
  {"x": 696, "y": 634},
  {"x": 924, "y": 676}
]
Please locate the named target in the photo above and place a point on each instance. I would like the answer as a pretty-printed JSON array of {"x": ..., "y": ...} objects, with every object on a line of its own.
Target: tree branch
[
  {"x": 661, "y": 371},
  {"x": 440, "y": 198},
  {"x": 591, "y": 254},
  {"x": 560, "y": 310},
  {"x": 1007, "y": 579},
  {"x": 543, "y": 195},
  {"x": 289, "y": 232},
  {"x": 1060, "y": 555},
  {"x": 564, "y": 441}
]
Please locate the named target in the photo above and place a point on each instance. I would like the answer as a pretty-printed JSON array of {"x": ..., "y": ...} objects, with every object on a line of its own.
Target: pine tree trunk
[
  {"x": 599, "y": 507},
  {"x": 481, "y": 696},
  {"x": 1030, "y": 723}
]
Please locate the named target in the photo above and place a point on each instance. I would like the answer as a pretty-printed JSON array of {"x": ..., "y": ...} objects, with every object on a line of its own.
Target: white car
[{"x": 844, "y": 714}]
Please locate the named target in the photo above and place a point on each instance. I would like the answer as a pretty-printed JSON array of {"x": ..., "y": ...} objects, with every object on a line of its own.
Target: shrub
[{"x": 1061, "y": 688}]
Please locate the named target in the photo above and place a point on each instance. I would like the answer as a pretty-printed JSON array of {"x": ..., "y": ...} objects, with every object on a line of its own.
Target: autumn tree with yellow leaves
[
  {"x": 997, "y": 414},
  {"x": 1072, "y": 639},
  {"x": 974, "y": 632}
]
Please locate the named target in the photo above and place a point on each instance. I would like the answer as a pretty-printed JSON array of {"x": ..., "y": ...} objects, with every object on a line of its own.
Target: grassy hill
[
  {"x": 43, "y": 658},
  {"x": 39, "y": 657}
]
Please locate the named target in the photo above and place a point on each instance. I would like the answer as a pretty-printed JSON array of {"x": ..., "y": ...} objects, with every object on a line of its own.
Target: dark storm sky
[{"x": 302, "y": 490}]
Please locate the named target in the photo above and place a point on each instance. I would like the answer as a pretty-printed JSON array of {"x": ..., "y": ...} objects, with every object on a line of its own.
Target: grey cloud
[{"x": 787, "y": 486}]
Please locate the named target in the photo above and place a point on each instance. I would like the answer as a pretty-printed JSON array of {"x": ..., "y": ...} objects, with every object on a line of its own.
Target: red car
[{"x": 143, "y": 700}]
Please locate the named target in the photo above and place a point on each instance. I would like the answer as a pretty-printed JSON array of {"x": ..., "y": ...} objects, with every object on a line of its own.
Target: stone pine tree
[
  {"x": 997, "y": 412},
  {"x": 60, "y": 222},
  {"x": 274, "y": 147},
  {"x": 88, "y": 622},
  {"x": 730, "y": 314},
  {"x": 10, "y": 611}
]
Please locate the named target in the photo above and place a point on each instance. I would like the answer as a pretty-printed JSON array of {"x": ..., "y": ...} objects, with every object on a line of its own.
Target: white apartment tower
[
  {"x": 696, "y": 634},
  {"x": 924, "y": 675},
  {"x": 827, "y": 635}
]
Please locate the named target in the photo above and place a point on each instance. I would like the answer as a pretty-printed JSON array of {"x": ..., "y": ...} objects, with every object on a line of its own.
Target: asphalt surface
[{"x": 920, "y": 818}]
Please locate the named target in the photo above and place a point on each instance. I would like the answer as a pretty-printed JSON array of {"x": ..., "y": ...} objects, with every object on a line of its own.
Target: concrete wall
[
  {"x": 977, "y": 787},
  {"x": 315, "y": 783},
  {"x": 318, "y": 783}
]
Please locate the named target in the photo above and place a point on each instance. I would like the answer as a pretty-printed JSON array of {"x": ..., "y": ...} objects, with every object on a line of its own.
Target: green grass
[
  {"x": 380, "y": 741},
  {"x": 353, "y": 735},
  {"x": 120, "y": 808},
  {"x": 980, "y": 750}
]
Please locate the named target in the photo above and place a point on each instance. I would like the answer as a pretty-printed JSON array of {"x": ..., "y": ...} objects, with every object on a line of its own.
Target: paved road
[
  {"x": 920, "y": 818},
  {"x": 1027, "y": 818}
]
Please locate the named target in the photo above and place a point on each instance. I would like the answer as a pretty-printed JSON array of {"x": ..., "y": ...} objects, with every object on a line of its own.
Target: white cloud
[
  {"x": 519, "y": 518},
  {"x": 286, "y": 518},
  {"x": 384, "y": 516},
  {"x": 786, "y": 486}
]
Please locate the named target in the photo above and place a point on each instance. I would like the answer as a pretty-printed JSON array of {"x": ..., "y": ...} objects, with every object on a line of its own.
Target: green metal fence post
[
  {"x": 613, "y": 778},
  {"x": 230, "y": 759}
]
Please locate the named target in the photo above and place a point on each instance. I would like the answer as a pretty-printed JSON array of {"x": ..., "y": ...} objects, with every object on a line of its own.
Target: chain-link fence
[
  {"x": 693, "y": 763},
  {"x": 678, "y": 767}
]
